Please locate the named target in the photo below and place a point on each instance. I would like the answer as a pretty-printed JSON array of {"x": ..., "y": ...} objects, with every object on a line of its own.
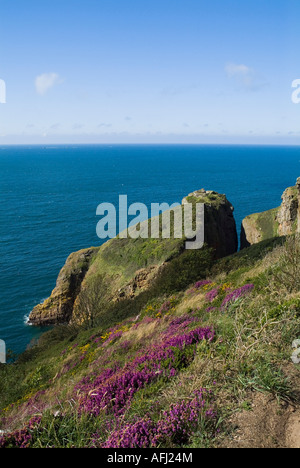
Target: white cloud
[
  {"x": 245, "y": 76},
  {"x": 233, "y": 69},
  {"x": 45, "y": 82}
]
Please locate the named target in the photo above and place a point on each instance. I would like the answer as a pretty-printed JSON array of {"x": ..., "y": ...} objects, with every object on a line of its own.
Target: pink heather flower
[
  {"x": 211, "y": 295},
  {"x": 198, "y": 286},
  {"x": 22, "y": 438},
  {"x": 176, "y": 426},
  {"x": 211, "y": 309},
  {"x": 114, "y": 389},
  {"x": 237, "y": 294}
]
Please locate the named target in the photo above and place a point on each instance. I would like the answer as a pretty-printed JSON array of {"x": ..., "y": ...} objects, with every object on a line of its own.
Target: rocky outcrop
[
  {"x": 140, "y": 282},
  {"x": 220, "y": 231},
  {"x": 58, "y": 308},
  {"x": 281, "y": 221},
  {"x": 287, "y": 217},
  {"x": 124, "y": 267}
]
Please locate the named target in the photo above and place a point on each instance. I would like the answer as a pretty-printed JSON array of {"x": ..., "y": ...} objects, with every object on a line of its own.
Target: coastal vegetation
[{"x": 189, "y": 349}]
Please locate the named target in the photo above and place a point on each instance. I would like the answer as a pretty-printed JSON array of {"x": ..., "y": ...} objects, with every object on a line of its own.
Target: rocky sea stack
[{"x": 220, "y": 227}]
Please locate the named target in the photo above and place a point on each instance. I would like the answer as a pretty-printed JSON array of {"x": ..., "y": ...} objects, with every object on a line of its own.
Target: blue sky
[{"x": 149, "y": 71}]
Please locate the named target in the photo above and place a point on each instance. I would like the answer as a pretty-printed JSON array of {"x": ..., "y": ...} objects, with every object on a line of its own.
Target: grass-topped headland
[
  {"x": 280, "y": 221},
  {"x": 123, "y": 268}
]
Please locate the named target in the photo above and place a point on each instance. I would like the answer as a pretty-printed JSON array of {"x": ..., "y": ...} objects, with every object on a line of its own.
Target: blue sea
[{"x": 49, "y": 196}]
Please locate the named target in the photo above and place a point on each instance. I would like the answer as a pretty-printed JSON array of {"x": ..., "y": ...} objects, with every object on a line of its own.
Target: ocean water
[{"x": 49, "y": 197}]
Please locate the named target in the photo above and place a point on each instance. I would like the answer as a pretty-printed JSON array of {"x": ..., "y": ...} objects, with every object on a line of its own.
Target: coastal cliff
[
  {"x": 277, "y": 222},
  {"x": 121, "y": 269},
  {"x": 58, "y": 308}
]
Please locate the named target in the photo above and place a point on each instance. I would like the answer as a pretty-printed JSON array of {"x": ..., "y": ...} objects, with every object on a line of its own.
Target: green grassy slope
[{"x": 189, "y": 354}]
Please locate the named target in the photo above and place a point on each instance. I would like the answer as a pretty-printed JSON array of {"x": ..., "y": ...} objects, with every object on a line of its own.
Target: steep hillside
[{"x": 187, "y": 371}]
